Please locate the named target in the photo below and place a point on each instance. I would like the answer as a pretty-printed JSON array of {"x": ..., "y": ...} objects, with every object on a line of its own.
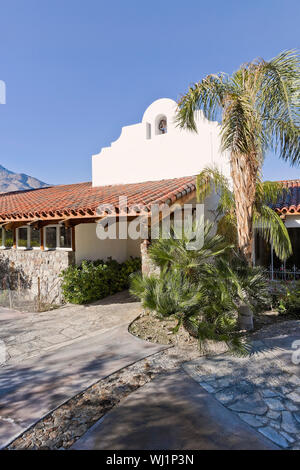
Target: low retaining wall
[{"x": 34, "y": 271}]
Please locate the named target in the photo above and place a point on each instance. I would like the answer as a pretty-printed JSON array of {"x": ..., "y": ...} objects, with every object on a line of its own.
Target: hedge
[{"x": 94, "y": 280}]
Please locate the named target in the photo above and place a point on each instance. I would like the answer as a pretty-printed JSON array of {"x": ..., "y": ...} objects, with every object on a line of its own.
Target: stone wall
[
  {"x": 147, "y": 266},
  {"x": 29, "y": 269}
]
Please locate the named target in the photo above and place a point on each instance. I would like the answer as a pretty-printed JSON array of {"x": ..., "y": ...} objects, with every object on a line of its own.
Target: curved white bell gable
[{"x": 156, "y": 149}]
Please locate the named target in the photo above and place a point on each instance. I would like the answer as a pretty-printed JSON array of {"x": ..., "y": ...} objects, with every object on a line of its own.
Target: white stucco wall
[
  {"x": 88, "y": 246},
  {"x": 135, "y": 157},
  {"x": 133, "y": 248}
]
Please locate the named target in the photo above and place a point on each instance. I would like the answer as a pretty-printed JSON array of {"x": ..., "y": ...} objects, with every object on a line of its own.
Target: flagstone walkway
[
  {"x": 55, "y": 355},
  {"x": 27, "y": 335},
  {"x": 263, "y": 389}
]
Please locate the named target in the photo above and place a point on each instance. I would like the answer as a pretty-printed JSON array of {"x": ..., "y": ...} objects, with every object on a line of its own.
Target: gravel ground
[{"x": 151, "y": 328}]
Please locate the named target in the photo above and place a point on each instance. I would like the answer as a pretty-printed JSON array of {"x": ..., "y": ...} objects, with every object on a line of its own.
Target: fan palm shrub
[
  {"x": 204, "y": 289},
  {"x": 173, "y": 251},
  {"x": 248, "y": 285},
  {"x": 205, "y": 309},
  {"x": 258, "y": 109},
  {"x": 170, "y": 293}
]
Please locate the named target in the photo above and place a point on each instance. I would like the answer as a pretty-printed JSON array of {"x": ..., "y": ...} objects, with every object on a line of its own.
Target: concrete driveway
[
  {"x": 217, "y": 402},
  {"x": 171, "y": 412},
  {"x": 54, "y": 355}
]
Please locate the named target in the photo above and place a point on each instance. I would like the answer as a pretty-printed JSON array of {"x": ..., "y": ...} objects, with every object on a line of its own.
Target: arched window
[{"x": 161, "y": 124}]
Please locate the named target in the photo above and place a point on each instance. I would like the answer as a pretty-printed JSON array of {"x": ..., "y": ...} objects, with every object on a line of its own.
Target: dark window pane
[
  {"x": 22, "y": 237},
  {"x": 262, "y": 251},
  {"x": 294, "y": 260},
  {"x": 51, "y": 237},
  {"x": 65, "y": 237},
  {"x": 35, "y": 241},
  {"x": 8, "y": 238}
]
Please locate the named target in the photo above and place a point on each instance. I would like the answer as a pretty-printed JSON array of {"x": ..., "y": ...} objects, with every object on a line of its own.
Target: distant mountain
[{"x": 10, "y": 181}]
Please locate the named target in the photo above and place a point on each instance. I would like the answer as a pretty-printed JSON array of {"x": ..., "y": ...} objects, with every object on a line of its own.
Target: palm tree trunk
[{"x": 244, "y": 173}]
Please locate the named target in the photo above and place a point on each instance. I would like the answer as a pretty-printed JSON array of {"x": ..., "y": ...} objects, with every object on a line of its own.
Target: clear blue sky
[{"x": 77, "y": 71}]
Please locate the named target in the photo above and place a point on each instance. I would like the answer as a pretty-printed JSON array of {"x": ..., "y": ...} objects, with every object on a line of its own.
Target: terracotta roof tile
[
  {"x": 83, "y": 199},
  {"x": 289, "y": 204}
]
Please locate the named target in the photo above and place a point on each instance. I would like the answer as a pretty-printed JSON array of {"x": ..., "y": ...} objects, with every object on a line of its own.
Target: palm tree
[
  {"x": 258, "y": 108},
  {"x": 271, "y": 227}
]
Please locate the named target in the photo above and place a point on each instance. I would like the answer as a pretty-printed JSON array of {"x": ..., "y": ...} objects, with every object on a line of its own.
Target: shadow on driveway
[{"x": 171, "y": 412}]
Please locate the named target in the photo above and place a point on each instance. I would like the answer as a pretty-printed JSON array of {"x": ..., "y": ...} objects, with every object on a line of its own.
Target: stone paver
[
  {"x": 29, "y": 334},
  {"x": 274, "y": 436},
  {"x": 171, "y": 412},
  {"x": 41, "y": 376},
  {"x": 263, "y": 389}
]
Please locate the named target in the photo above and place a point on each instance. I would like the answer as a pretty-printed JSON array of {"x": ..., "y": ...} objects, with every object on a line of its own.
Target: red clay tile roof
[
  {"x": 82, "y": 200},
  {"x": 289, "y": 204}
]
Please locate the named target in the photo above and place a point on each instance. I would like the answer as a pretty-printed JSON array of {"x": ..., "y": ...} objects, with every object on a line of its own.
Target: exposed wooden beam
[
  {"x": 73, "y": 239},
  {"x": 14, "y": 237},
  {"x": 43, "y": 223},
  {"x": 42, "y": 246},
  {"x": 12, "y": 225},
  {"x": 71, "y": 222}
]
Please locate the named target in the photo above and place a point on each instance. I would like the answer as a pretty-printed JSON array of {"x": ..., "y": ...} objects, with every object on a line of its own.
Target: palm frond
[
  {"x": 173, "y": 251},
  {"x": 211, "y": 179},
  {"x": 226, "y": 227},
  {"x": 269, "y": 192},
  {"x": 241, "y": 127},
  {"x": 144, "y": 288},
  {"x": 279, "y": 101},
  {"x": 207, "y": 95},
  {"x": 273, "y": 231}
]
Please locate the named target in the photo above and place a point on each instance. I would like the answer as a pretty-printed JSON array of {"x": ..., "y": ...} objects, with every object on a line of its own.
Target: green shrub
[
  {"x": 94, "y": 280},
  {"x": 285, "y": 296},
  {"x": 289, "y": 302}
]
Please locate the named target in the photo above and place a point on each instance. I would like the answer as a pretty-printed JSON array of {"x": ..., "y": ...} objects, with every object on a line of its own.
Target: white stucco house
[
  {"x": 144, "y": 152},
  {"x": 153, "y": 162}
]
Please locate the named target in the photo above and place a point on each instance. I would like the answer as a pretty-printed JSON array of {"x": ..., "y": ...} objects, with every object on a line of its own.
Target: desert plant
[
  {"x": 204, "y": 289},
  {"x": 205, "y": 309},
  {"x": 173, "y": 251},
  {"x": 248, "y": 284},
  {"x": 170, "y": 293},
  {"x": 198, "y": 287}
]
